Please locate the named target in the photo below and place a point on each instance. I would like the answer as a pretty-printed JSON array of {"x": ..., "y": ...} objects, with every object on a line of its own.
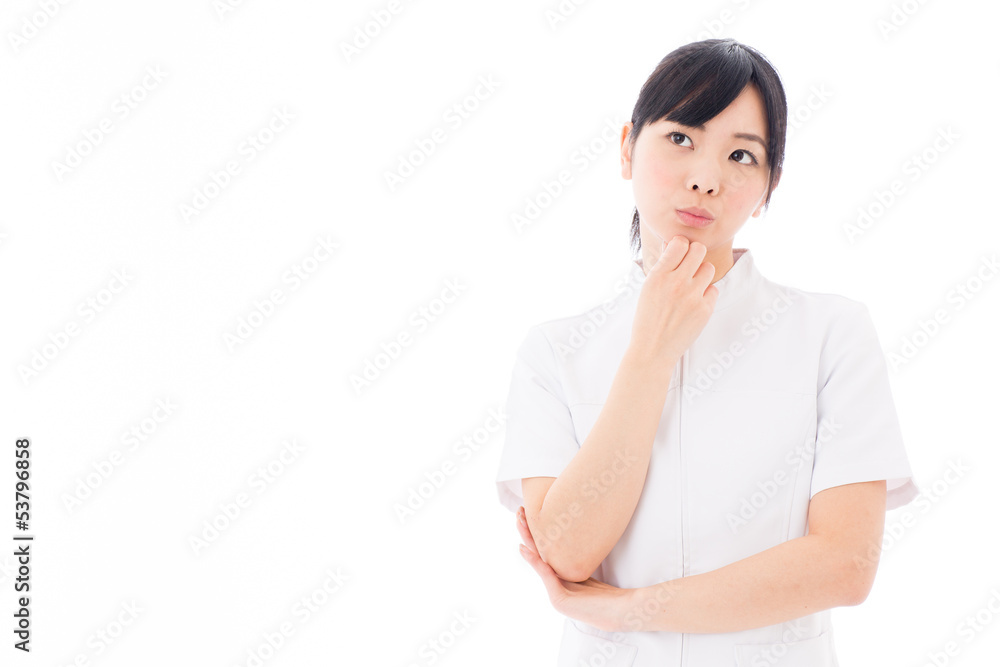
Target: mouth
[{"x": 692, "y": 219}]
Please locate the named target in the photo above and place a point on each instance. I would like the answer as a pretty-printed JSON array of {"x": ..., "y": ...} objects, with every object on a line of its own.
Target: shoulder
[
  {"x": 824, "y": 323},
  {"x": 840, "y": 327},
  {"x": 599, "y": 325},
  {"x": 826, "y": 307}
]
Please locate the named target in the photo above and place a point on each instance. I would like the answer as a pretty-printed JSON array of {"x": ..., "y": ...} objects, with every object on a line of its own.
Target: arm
[
  {"x": 581, "y": 516},
  {"x": 834, "y": 565}
]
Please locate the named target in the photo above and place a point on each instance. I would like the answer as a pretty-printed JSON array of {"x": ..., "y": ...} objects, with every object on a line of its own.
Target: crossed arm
[{"x": 833, "y": 565}]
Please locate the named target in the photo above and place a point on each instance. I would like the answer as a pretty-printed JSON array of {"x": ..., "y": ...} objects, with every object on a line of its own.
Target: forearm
[
  {"x": 796, "y": 578},
  {"x": 588, "y": 507}
]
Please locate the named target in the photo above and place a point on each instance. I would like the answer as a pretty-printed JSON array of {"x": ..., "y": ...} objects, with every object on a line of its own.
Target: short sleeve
[
  {"x": 858, "y": 438},
  {"x": 540, "y": 439}
]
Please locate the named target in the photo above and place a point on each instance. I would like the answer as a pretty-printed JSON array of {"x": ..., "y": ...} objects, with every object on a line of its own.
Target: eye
[
  {"x": 740, "y": 153},
  {"x": 753, "y": 157},
  {"x": 671, "y": 136}
]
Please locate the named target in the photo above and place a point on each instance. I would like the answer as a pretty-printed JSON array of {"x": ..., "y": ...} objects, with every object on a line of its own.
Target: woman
[{"x": 701, "y": 468}]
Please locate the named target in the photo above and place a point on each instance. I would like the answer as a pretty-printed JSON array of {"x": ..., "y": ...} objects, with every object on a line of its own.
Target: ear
[{"x": 626, "y": 152}]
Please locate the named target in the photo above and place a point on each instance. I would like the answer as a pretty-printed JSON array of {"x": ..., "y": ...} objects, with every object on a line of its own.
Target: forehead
[{"x": 745, "y": 114}]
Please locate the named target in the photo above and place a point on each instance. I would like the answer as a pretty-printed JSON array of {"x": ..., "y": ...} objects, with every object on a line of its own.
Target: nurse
[{"x": 700, "y": 468}]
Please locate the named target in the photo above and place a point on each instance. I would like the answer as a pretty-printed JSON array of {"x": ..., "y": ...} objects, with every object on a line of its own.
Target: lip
[{"x": 695, "y": 217}]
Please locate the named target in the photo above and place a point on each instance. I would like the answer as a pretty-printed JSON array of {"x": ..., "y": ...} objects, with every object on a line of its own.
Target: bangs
[{"x": 696, "y": 90}]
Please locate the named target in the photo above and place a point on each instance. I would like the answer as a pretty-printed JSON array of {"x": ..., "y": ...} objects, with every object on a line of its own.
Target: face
[{"x": 718, "y": 169}]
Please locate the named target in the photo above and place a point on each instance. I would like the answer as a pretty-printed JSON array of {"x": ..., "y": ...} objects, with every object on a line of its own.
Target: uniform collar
[{"x": 732, "y": 287}]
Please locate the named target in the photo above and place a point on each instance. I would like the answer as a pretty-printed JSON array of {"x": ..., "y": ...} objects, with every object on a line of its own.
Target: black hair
[{"x": 713, "y": 73}]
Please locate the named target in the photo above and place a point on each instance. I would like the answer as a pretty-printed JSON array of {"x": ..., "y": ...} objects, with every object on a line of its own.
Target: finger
[
  {"x": 704, "y": 275},
  {"x": 525, "y": 532},
  {"x": 692, "y": 260},
  {"x": 553, "y": 584},
  {"x": 712, "y": 295},
  {"x": 672, "y": 254}
]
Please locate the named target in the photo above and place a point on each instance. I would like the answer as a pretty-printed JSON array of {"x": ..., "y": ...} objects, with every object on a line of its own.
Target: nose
[
  {"x": 703, "y": 177},
  {"x": 703, "y": 184}
]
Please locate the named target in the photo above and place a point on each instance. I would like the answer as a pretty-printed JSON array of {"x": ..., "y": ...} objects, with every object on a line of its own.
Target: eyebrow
[{"x": 751, "y": 137}]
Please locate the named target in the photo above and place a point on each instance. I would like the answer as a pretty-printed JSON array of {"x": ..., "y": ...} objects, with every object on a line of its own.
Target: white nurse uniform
[{"x": 783, "y": 394}]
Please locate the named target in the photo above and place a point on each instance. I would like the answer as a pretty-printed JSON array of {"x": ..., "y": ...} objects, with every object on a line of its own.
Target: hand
[
  {"x": 592, "y": 602},
  {"x": 675, "y": 302}
]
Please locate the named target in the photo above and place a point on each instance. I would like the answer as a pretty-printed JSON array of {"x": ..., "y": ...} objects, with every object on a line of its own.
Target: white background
[{"x": 332, "y": 507}]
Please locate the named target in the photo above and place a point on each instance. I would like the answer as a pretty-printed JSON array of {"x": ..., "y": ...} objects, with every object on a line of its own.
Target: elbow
[
  {"x": 853, "y": 574},
  {"x": 567, "y": 571},
  {"x": 857, "y": 593},
  {"x": 559, "y": 556},
  {"x": 566, "y": 568},
  {"x": 858, "y": 584},
  {"x": 855, "y": 597},
  {"x": 570, "y": 571}
]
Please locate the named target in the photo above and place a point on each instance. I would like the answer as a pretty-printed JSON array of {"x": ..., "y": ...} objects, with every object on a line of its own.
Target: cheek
[
  {"x": 655, "y": 175},
  {"x": 745, "y": 191}
]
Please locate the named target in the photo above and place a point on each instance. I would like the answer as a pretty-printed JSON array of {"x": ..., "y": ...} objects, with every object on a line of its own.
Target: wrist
[
  {"x": 634, "y": 617},
  {"x": 647, "y": 363},
  {"x": 648, "y": 608}
]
